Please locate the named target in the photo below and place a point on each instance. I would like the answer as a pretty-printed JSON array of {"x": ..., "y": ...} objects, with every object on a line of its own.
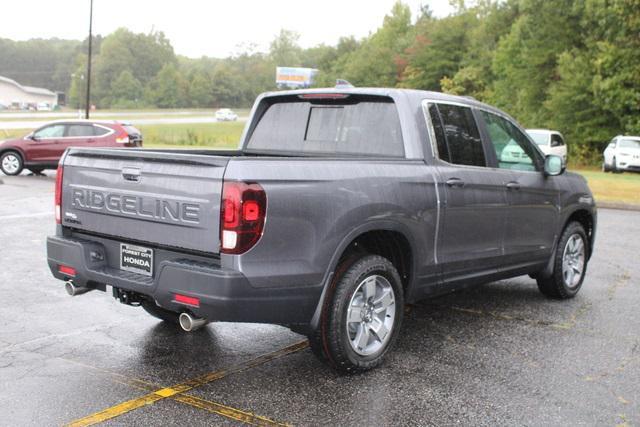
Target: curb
[{"x": 618, "y": 205}]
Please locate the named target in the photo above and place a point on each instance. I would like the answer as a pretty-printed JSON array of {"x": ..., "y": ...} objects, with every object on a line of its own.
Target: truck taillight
[
  {"x": 58, "y": 195},
  {"x": 243, "y": 211}
]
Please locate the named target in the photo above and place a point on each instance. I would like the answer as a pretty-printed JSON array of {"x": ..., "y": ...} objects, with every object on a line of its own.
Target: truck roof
[{"x": 414, "y": 95}]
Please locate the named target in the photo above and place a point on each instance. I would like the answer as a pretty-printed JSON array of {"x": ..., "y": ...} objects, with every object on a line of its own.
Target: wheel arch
[
  {"x": 585, "y": 218},
  {"x": 386, "y": 238},
  {"x": 15, "y": 150}
]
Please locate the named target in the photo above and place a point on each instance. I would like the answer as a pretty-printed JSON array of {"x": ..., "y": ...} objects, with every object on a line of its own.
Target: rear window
[{"x": 355, "y": 125}]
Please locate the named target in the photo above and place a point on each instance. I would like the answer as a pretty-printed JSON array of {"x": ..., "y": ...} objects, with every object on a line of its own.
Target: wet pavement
[{"x": 498, "y": 354}]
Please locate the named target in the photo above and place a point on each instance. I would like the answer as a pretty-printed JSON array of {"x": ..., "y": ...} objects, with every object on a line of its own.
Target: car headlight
[{"x": 624, "y": 154}]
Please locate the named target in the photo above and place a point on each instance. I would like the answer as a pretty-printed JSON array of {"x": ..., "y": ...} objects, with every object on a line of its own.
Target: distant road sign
[{"x": 295, "y": 77}]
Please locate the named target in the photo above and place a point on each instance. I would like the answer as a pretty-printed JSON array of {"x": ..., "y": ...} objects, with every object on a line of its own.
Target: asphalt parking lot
[{"x": 500, "y": 354}]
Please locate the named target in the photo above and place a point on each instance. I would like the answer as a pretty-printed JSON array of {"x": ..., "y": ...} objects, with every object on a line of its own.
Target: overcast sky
[{"x": 204, "y": 27}]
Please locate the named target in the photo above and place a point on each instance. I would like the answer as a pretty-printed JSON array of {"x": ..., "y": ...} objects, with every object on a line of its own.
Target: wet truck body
[{"x": 258, "y": 234}]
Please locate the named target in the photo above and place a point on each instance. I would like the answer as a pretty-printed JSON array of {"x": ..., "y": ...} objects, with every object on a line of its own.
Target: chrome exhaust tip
[
  {"x": 73, "y": 290},
  {"x": 188, "y": 323}
]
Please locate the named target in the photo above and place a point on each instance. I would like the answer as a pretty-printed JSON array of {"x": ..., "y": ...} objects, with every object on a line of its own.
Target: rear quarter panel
[{"x": 316, "y": 207}]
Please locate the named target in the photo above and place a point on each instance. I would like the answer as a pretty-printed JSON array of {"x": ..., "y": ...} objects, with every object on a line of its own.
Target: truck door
[
  {"x": 533, "y": 197},
  {"x": 474, "y": 206}
]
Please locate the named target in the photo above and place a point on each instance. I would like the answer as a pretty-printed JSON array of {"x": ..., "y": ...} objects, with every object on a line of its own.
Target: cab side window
[
  {"x": 513, "y": 149},
  {"x": 457, "y": 135},
  {"x": 53, "y": 131}
]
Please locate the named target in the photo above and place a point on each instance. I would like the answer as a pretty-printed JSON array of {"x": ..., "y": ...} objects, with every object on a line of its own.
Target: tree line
[{"x": 570, "y": 65}]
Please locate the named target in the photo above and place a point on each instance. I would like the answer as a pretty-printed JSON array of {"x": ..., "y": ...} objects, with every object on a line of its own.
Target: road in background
[
  {"x": 136, "y": 118},
  {"x": 499, "y": 354}
]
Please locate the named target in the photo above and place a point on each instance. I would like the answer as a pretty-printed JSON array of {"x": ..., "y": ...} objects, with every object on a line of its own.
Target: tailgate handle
[{"x": 131, "y": 174}]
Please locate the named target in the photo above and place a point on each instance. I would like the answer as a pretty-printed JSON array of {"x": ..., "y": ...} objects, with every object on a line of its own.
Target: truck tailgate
[{"x": 145, "y": 196}]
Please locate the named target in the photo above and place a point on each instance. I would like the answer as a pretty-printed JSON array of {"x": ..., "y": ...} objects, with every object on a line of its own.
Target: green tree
[
  {"x": 378, "y": 60},
  {"x": 200, "y": 89},
  {"x": 126, "y": 90},
  {"x": 167, "y": 89},
  {"x": 284, "y": 50}
]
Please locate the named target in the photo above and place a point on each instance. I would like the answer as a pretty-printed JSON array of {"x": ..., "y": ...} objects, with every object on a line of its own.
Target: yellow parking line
[
  {"x": 178, "y": 389},
  {"x": 197, "y": 402},
  {"x": 226, "y": 411}
]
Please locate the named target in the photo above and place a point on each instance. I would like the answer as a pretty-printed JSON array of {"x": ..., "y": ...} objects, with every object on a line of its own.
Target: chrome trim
[{"x": 111, "y": 132}]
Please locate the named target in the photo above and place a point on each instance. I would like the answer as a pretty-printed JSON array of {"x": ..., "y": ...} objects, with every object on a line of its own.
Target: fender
[
  {"x": 548, "y": 270},
  {"x": 344, "y": 243},
  {"x": 17, "y": 150}
]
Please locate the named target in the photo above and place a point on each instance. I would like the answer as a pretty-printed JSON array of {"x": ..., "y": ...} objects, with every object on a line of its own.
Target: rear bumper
[{"x": 225, "y": 295}]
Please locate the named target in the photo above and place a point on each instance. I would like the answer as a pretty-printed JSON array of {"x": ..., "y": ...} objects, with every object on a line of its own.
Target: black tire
[
  {"x": 614, "y": 166},
  {"x": 13, "y": 155},
  {"x": 161, "y": 313},
  {"x": 556, "y": 286},
  {"x": 331, "y": 341},
  {"x": 605, "y": 168}
]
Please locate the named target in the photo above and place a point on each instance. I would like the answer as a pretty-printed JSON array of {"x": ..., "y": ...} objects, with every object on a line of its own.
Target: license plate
[{"x": 136, "y": 259}]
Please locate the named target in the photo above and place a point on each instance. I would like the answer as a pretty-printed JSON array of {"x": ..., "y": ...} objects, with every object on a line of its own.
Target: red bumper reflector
[
  {"x": 69, "y": 271},
  {"x": 184, "y": 299}
]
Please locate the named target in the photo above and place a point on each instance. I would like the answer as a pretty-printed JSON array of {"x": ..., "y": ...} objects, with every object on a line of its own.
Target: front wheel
[
  {"x": 11, "y": 163},
  {"x": 361, "y": 316},
  {"x": 569, "y": 264},
  {"x": 614, "y": 166}
]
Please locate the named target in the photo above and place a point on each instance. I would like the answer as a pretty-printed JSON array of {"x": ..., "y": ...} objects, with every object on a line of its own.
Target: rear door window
[
  {"x": 355, "y": 125},
  {"x": 457, "y": 135},
  {"x": 78, "y": 131}
]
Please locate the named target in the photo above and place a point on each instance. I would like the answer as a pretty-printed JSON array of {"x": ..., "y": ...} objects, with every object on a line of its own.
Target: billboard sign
[{"x": 295, "y": 77}]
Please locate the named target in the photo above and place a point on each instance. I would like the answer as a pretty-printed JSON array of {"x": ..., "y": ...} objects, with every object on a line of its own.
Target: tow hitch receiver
[{"x": 127, "y": 297}]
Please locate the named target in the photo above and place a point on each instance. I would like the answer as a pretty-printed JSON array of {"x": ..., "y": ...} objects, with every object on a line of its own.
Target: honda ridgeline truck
[{"x": 338, "y": 207}]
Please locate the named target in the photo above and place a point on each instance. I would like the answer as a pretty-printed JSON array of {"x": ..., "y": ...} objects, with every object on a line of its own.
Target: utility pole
[{"x": 88, "y": 101}]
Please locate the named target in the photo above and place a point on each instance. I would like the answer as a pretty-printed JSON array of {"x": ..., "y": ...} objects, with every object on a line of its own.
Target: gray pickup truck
[{"x": 338, "y": 207}]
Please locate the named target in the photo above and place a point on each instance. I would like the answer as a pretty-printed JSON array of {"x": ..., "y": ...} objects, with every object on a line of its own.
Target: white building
[{"x": 13, "y": 93}]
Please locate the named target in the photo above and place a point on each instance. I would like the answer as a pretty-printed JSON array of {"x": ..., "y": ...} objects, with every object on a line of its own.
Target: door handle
[
  {"x": 513, "y": 186},
  {"x": 455, "y": 182}
]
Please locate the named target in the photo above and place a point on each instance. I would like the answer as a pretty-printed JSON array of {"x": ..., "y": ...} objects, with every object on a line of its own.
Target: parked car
[
  {"x": 42, "y": 148},
  {"x": 340, "y": 206},
  {"x": 43, "y": 106},
  {"x": 622, "y": 154},
  {"x": 549, "y": 141},
  {"x": 226, "y": 115}
]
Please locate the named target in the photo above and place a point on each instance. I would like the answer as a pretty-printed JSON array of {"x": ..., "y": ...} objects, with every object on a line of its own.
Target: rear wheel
[
  {"x": 11, "y": 163},
  {"x": 570, "y": 264},
  {"x": 161, "y": 313},
  {"x": 361, "y": 316}
]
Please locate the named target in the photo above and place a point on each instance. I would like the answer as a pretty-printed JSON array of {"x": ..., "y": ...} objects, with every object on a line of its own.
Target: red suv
[{"x": 42, "y": 148}]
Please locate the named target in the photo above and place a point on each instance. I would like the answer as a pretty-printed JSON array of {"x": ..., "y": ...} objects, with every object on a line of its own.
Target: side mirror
[
  {"x": 31, "y": 136},
  {"x": 553, "y": 165}
]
